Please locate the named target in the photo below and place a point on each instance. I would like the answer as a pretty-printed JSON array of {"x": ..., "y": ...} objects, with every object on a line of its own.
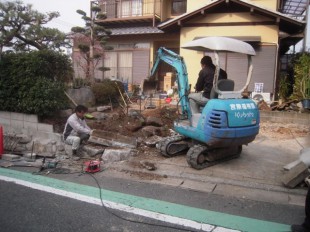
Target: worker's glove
[{"x": 91, "y": 132}]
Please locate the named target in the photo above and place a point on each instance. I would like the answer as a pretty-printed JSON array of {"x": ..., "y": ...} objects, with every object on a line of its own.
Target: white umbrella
[{"x": 216, "y": 43}]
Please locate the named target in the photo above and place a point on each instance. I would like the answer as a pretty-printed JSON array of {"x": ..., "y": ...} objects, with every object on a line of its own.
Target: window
[
  {"x": 178, "y": 7},
  {"x": 130, "y": 8},
  {"x": 120, "y": 64}
]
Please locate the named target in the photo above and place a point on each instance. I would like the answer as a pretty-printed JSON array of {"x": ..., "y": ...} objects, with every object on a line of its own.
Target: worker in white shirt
[{"x": 76, "y": 129}]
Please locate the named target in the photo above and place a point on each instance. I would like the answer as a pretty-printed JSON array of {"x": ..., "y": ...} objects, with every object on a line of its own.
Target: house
[{"x": 140, "y": 27}]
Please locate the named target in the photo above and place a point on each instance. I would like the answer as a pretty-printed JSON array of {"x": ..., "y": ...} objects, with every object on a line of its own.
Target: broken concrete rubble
[
  {"x": 148, "y": 165},
  {"x": 117, "y": 154},
  {"x": 152, "y": 141}
]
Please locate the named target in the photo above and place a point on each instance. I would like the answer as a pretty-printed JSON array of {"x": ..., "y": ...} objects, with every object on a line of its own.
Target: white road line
[{"x": 121, "y": 207}]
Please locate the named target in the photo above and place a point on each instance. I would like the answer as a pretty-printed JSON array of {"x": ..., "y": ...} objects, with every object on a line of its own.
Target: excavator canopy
[{"x": 217, "y": 43}]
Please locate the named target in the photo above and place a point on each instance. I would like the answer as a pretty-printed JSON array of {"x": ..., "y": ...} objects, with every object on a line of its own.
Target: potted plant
[{"x": 305, "y": 91}]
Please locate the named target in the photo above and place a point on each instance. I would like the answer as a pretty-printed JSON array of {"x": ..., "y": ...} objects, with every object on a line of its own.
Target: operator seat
[{"x": 223, "y": 85}]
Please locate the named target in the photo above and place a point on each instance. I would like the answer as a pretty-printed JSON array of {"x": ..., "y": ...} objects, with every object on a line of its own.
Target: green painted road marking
[{"x": 176, "y": 210}]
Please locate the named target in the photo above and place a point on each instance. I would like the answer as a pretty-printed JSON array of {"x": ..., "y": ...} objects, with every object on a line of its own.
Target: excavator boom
[{"x": 177, "y": 62}]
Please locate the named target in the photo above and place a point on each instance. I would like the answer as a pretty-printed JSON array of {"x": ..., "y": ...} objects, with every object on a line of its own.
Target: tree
[
  {"x": 22, "y": 28},
  {"x": 92, "y": 40}
]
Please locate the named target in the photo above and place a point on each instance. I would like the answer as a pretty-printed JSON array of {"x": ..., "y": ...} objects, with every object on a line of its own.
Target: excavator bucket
[{"x": 149, "y": 86}]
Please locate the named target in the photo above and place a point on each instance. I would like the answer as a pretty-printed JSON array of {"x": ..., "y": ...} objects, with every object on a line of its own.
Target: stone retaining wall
[
  {"x": 26, "y": 124},
  {"x": 29, "y": 124}
]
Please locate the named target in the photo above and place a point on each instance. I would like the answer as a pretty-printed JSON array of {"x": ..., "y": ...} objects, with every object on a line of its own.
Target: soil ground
[{"x": 119, "y": 122}]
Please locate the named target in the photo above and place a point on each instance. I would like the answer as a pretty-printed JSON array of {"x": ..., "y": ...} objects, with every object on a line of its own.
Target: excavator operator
[{"x": 204, "y": 84}]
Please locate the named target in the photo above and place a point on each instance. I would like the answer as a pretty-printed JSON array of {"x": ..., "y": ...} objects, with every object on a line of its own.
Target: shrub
[
  {"x": 27, "y": 82},
  {"x": 301, "y": 76},
  {"x": 106, "y": 90}
]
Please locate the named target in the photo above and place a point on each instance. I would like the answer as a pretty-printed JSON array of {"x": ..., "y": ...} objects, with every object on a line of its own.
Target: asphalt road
[{"x": 26, "y": 209}]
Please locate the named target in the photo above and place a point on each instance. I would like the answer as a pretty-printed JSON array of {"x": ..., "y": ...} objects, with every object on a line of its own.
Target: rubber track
[
  {"x": 195, "y": 151},
  {"x": 163, "y": 144}
]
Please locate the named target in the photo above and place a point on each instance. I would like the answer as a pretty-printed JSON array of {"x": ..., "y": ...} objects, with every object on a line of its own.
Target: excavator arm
[{"x": 177, "y": 62}]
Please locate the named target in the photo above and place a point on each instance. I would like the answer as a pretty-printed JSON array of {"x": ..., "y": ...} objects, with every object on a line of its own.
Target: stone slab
[
  {"x": 107, "y": 138},
  {"x": 10, "y": 157},
  {"x": 296, "y": 175}
]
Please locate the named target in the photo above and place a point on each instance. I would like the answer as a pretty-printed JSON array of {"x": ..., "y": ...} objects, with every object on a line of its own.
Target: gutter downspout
[{"x": 304, "y": 46}]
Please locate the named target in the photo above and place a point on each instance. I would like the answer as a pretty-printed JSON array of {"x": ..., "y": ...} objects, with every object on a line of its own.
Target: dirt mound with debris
[
  {"x": 283, "y": 131},
  {"x": 119, "y": 122}
]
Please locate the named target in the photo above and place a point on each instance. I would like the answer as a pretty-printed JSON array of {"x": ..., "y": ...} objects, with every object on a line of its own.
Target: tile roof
[{"x": 135, "y": 30}]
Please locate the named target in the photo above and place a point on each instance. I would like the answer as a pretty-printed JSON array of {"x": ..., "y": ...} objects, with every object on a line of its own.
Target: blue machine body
[{"x": 224, "y": 122}]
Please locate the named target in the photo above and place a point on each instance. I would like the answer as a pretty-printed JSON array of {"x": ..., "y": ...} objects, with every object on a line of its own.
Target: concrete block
[
  {"x": 5, "y": 121},
  {"x": 30, "y": 118},
  {"x": 6, "y": 128},
  {"x": 45, "y": 127},
  {"x": 31, "y": 125},
  {"x": 5, "y": 114},
  {"x": 17, "y": 116},
  {"x": 18, "y": 124},
  {"x": 295, "y": 175}
]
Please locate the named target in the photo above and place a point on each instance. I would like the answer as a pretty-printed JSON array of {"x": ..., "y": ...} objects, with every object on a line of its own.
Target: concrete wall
[
  {"x": 26, "y": 124},
  {"x": 194, "y": 4},
  {"x": 285, "y": 117}
]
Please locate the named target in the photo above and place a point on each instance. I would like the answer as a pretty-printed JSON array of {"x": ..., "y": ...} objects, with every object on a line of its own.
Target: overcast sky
[{"x": 67, "y": 9}]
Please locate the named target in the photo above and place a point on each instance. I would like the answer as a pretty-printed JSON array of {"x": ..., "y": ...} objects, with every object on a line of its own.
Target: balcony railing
[{"x": 133, "y": 8}]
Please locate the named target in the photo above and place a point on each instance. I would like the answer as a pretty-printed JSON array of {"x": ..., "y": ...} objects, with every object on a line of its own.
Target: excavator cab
[{"x": 228, "y": 120}]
